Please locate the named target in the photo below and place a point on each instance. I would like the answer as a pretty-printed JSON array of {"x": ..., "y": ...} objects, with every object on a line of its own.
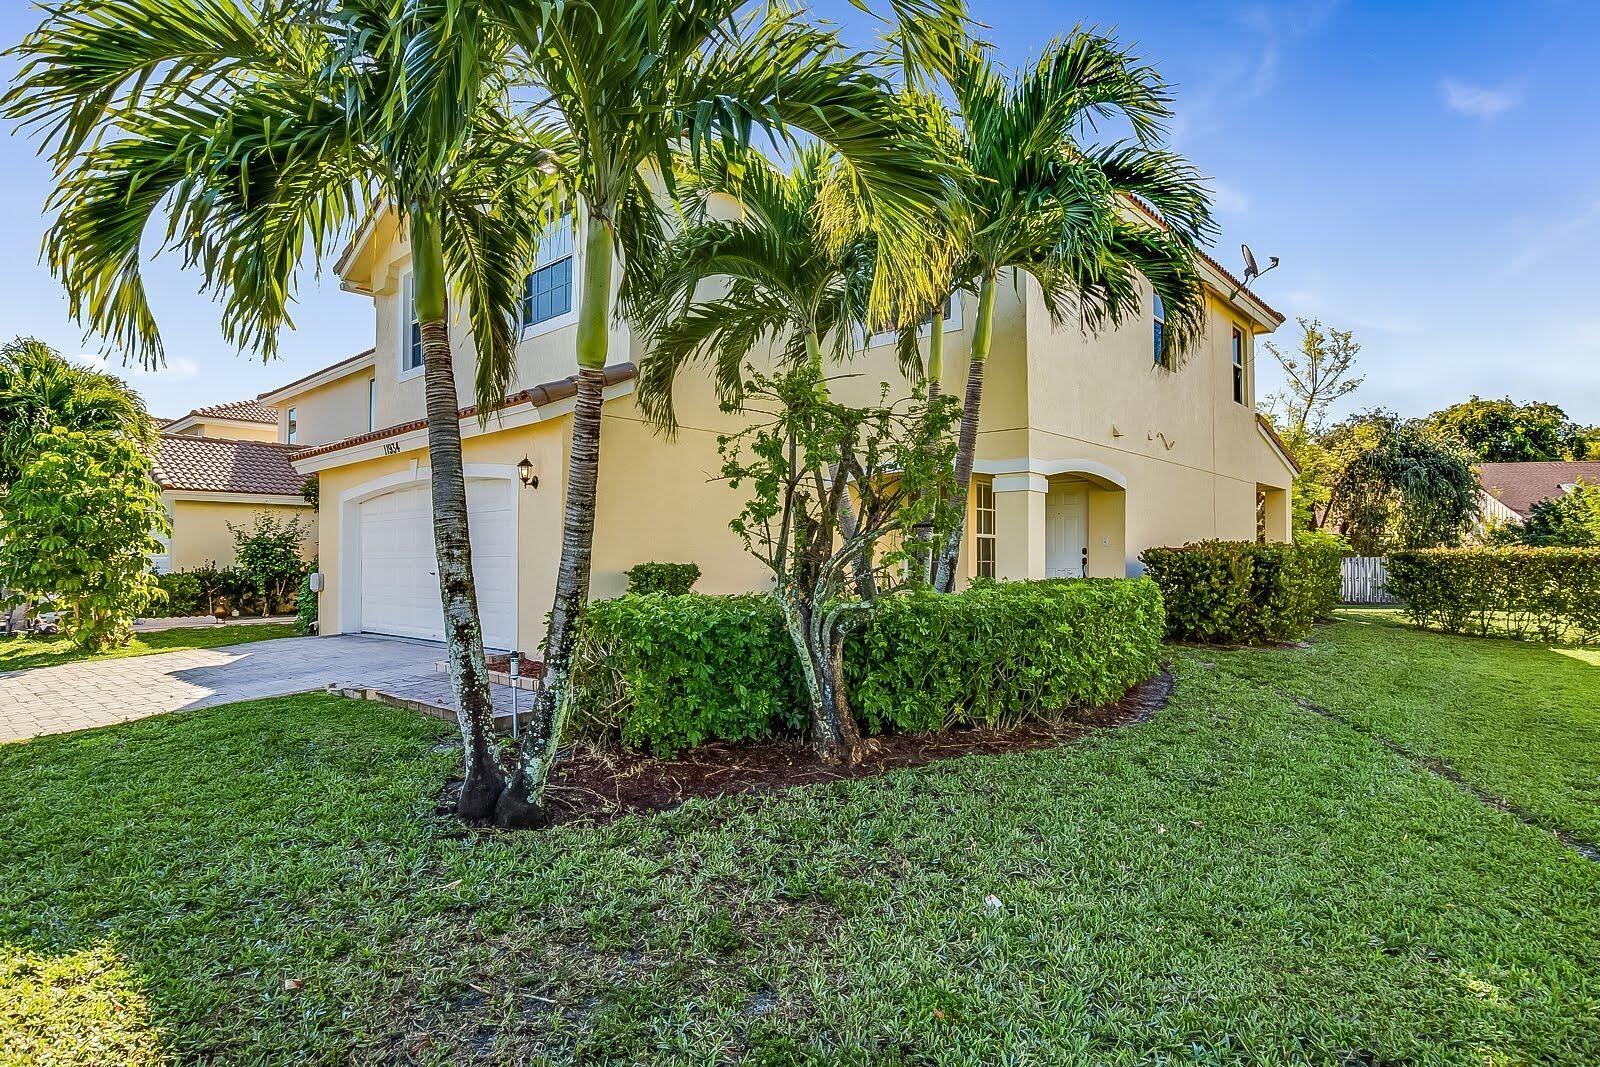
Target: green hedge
[
  {"x": 1242, "y": 592},
  {"x": 664, "y": 673},
  {"x": 671, "y": 578},
  {"x": 1549, "y": 593},
  {"x": 1002, "y": 652}
]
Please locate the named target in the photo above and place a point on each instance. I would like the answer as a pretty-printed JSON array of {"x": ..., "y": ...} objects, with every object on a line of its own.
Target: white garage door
[{"x": 399, "y": 572}]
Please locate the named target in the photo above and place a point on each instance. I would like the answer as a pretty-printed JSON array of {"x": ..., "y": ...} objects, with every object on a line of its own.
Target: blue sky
[{"x": 1428, "y": 172}]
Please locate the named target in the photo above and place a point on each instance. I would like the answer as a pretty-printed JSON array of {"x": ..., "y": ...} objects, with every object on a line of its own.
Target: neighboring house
[
  {"x": 328, "y": 405},
  {"x": 208, "y": 482},
  {"x": 1508, "y": 491},
  {"x": 240, "y": 420},
  {"x": 1087, "y": 454}
]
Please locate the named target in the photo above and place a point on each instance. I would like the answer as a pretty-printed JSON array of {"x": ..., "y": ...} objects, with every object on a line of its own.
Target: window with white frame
[
  {"x": 1238, "y": 365},
  {"x": 1160, "y": 327},
  {"x": 372, "y": 403},
  {"x": 410, "y": 328},
  {"x": 547, "y": 294},
  {"x": 985, "y": 537},
  {"x": 952, "y": 323},
  {"x": 292, "y": 424}
]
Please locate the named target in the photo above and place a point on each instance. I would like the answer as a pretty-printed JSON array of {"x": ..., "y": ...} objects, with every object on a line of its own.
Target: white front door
[
  {"x": 1066, "y": 530},
  {"x": 399, "y": 572}
]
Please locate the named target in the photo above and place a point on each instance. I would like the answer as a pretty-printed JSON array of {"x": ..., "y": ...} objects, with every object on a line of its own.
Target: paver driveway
[{"x": 74, "y": 696}]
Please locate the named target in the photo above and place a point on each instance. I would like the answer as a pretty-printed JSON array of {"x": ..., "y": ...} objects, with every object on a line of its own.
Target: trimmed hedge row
[
  {"x": 1549, "y": 593},
  {"x": 1002, "y": 652},
  {"x": 664, "y": 673},
  {"x": 1242, "y": 592}
]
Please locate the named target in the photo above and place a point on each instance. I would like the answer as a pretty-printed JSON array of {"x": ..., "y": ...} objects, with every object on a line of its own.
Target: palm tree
[
  {"x": 629, "y": 81},
  {"x": 39, "y": 390},
  {"x": 1035, "y": 201},
  {"x": 264, "y": 133}
]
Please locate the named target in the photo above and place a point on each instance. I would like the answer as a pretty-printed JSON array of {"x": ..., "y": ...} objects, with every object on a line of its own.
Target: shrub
[
  {"x": 674, "y": 579},
  {"x": 1241, "y": 592},
  {"x": 305, "y": 603},
  {"x": 1001, "y": 652},
  {"x": 184, "y": 596},
  {"x": 1549, "y": 593},
  {"x": 667, "y": 672}
]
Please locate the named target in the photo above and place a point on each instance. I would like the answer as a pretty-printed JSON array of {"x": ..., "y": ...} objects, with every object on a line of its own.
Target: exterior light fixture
[{"x": 525, "y": 474}]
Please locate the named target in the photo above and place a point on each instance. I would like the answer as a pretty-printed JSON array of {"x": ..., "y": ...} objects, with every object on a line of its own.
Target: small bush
[
  {"x": 305, "y": 608},
  {"x": 183, "y": 596},
  {"x": 1549, "y": 593},
  {"x": 665, "y": 673},
  {"x": 1002, "y": 652},
  {"x": 1241, "y": 592},
  {"x": 674, "y": 579}
]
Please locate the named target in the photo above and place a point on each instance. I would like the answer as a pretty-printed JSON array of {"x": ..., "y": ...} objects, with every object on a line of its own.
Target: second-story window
[
  {"x": 547, "y": 294},
  {"x": 372, "y": 403},
  {"x": 1238, "y": 365},
  {"x": 410, "y": 327},
  {"x": 1160, "y": 326},
  {"x": 292, "y": 424}
]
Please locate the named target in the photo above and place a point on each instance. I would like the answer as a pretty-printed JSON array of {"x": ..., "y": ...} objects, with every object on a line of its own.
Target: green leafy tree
[
  {"x": 40, "y": 391},
  {"x": 1035, "y": 200},
  {"x": 267, "y": 552},
  {"x": 1320, "y": 374},
  {"x": 1503, "y": 431},
  {"x": 1571, "y": 520},
  {"x": 78, "y": 525},
  {"x": 1398, "y": 486},
  {"x": 807, "y": 460}
]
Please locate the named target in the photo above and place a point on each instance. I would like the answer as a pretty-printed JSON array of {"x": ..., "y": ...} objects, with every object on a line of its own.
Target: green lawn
[
  {"x": 18, "y": 652},
  {"x": 1238, "y": 880}
]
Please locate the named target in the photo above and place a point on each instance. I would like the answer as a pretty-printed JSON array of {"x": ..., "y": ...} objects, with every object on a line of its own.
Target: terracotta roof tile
[
  {"x": 548, "y": 393},
  {"x": 218, "y": 465},
  {"x": 237, "y": 410},
  {"x": 1519, "y": 486}
]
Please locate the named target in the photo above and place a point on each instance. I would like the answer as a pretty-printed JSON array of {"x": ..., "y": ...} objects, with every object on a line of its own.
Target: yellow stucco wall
[
  {"x": 233, "y": 431},
  {"x": 200, "y": 533},
  {"x": 328, "y": 412},
  {"x": 1168, "y": 456}
]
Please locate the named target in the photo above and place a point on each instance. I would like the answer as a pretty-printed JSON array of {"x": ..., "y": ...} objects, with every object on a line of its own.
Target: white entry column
[{"x": 1019, "y": 525}]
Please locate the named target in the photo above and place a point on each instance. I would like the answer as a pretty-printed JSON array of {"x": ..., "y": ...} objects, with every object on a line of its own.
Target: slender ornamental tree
[
  {"x": 263, "y": 132},
  {"x": 629, "y": 81},
  {"x": 1039, "y": 202}
]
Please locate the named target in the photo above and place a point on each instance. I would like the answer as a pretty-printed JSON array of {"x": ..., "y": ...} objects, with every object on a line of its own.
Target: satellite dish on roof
[{"x": 1252, "y": 269}]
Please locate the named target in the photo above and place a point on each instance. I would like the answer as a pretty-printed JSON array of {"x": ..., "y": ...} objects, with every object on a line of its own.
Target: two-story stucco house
[{"x": 1088, "y": 451}]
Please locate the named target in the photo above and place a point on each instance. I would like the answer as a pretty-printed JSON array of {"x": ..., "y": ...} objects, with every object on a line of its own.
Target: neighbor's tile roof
[
  {"x": 1519, "y": 486},
  {"x": 238, "y": 410},
  {"x": 218, "y": 465}
]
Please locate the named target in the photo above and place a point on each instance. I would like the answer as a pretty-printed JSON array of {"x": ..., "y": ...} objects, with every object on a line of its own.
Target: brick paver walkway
[{"x": 75, "y": 696}]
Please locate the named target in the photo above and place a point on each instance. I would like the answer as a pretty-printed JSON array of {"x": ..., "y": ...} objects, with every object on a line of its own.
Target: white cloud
[
  {"x": 1229, "y": 199},
  {"x": 176, "y": 369},
  {"x": 1479, "y": 101}
]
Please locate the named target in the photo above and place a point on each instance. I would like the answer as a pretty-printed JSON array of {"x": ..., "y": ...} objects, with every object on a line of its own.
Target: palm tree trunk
[
  {"x": 483, "y": 781},
  {"x": 919, "y": 563},
  {"x": 522, "y": 804},
  {"x": 967, "y": 446}
]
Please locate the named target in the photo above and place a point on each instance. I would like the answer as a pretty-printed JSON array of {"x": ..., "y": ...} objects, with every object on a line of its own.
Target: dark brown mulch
[{"x": 597, "y": 787}]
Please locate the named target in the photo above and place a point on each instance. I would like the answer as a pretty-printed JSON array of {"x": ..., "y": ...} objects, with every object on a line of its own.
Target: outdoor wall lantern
[{"x": 525, "y": 474}]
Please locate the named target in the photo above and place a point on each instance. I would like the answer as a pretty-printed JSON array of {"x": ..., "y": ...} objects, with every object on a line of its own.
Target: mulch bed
[{"x": 597, "y": 786}]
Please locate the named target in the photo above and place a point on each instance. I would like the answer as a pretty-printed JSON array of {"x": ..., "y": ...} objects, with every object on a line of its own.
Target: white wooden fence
[{"x": 1366, "y": 580}]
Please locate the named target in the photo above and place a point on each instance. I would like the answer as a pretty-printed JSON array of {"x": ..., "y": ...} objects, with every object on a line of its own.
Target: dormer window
[
  {"x": 1160, "y": 319},
  {"x": 547, "y": 294}
]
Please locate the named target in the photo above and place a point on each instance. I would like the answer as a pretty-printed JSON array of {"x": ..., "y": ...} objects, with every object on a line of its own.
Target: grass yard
[
  {"x": 19, "y": 652},
  {"x": 1239, "y": 880}
]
